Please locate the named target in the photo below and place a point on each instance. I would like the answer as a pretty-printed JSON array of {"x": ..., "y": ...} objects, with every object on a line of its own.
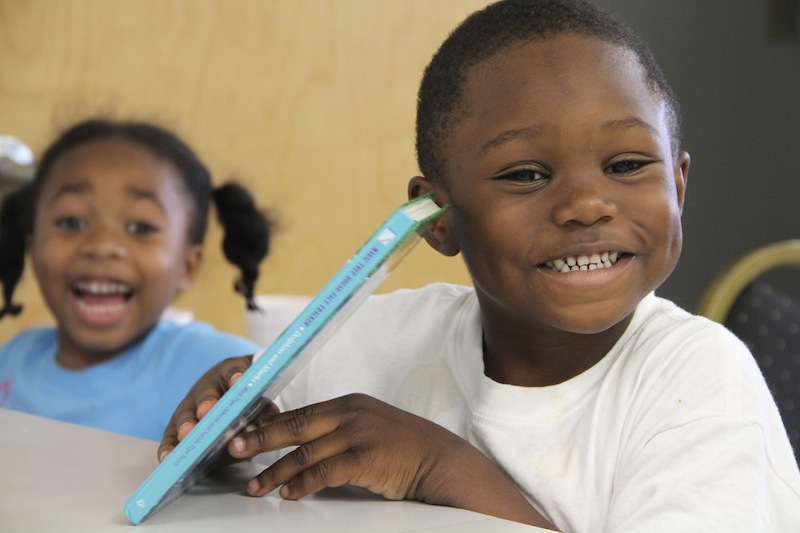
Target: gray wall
[{"x": 739, "y": 90}]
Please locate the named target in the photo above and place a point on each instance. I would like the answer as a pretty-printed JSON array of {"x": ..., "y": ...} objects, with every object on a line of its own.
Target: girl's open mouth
[{"x": 101, "y": 301}]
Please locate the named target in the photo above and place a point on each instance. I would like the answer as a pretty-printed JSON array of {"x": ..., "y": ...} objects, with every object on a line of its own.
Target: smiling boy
[
  {"x": 559, "y": 391},
  {"x": 564, "y": 154}
]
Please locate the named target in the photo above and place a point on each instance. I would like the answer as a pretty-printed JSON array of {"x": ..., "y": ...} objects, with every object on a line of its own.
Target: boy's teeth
[{"x": 574, "y": 263}]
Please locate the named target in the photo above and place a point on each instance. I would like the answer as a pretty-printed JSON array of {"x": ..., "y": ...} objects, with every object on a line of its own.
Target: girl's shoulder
[
  {"x": 31, "y": 338},
  {"x": 199, "y": 337},
  {"x": 28, "y": 349}
]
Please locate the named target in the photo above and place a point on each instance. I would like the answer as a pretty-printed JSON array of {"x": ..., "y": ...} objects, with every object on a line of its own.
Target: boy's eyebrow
[
  {"x": 527, "y": 132},
  {"x": 629, "y": 122},
  {"x": 531, "y": 132}
]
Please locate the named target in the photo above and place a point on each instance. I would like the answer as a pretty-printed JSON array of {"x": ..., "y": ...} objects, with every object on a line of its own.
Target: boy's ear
[
  {"x": 191, "y": 266},
  {"x": 440, "y": 236},
  {"x": 681, "y": 170}
]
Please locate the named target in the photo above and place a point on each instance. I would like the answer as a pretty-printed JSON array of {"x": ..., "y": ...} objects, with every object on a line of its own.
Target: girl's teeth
[
  {"x": 100, "y": 288},
  {"x": 583, "y": 262}
]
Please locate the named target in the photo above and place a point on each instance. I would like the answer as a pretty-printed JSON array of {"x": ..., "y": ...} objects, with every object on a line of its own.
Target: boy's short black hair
[{"x": 508, "y": 22}]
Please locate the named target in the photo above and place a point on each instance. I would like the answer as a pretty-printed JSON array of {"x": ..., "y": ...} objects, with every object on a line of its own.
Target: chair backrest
[
  {"x": 767, "y": 320},
  {"x": 728, "y": 286}
]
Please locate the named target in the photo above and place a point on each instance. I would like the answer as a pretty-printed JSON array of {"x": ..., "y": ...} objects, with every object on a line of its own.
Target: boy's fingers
[
  {"x": 234, "y": 378},
  {"x": 285, "y": 429},
  {"x": 168, "y": 443},
  {"x": 210, "y": 388},
  {"x": 184, "y": 429},
  {"x": 204, "y": 406},
  {"x": 307, "y": 469},
  {"x": 204, "y": 394},
  {"x": 183, "y": 419},
  {"x": 166, "y": 446},
  {"x": 232, "y": 369}
]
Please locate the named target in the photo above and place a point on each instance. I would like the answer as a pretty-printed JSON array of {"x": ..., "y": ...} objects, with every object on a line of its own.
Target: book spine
[{"x": 397, "y": 231}]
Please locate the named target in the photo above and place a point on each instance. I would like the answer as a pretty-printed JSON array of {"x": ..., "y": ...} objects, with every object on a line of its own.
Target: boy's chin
[{"x": 595, "y": 323}]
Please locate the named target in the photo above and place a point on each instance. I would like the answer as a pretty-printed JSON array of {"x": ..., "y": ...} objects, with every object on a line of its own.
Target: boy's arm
[{"x": 360, "y": 441}]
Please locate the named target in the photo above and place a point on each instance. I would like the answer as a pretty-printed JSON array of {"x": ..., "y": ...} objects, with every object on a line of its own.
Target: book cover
[{"x": 276, "y": 365}]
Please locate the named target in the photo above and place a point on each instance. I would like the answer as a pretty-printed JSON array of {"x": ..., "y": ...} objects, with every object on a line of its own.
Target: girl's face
[
  {"x": 564, "y": 157},
  {"x": 110, "y": 246}
]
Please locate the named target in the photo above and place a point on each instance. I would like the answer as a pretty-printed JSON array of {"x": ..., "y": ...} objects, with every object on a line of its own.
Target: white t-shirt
[{"x": 674, "y": 430}]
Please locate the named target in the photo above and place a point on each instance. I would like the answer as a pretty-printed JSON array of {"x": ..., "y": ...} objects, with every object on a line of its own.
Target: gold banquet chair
[{"x": 767, "y": 320}]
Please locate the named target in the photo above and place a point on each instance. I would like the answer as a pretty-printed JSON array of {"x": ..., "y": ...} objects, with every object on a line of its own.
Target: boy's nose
[
  {"x": 583, "y": 202},
  {"x": 102, "y": 241}
]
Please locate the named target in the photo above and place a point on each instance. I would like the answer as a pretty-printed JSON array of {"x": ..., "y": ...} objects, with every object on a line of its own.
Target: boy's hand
[
  {"x": 355, "y": 440},
  {"x": 200, "y": 399},
  {"x": 360, "y": 441}
]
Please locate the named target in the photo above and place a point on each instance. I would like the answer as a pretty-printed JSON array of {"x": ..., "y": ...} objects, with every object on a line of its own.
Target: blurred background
[{"x": 310, "y": 104}]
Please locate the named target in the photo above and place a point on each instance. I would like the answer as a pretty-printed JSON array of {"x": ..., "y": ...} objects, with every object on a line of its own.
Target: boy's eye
[
  {"x": 524, "y": 176},
  {"x": 625, "y": 167},
  {"x": 71, "y": 223},
  {"x": 141, "y": 228}
]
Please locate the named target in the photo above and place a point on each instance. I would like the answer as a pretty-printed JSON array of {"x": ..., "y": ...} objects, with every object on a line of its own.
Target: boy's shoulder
[
  {"x": 439, "y": 293},
  {"x": 669, "y": 337},
  {"x": 433, "y": 313},
  {"x": 661, "y": 315}
]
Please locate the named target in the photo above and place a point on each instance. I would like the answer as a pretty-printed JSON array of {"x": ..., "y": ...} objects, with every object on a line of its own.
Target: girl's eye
[
  {"x": 141, "y": 228},
  {"x": 626, "y": 167},
  {"x": 71, "y": 223}
]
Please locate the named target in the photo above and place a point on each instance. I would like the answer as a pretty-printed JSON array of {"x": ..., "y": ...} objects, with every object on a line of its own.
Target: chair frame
[{"x": 726, "y": 287}]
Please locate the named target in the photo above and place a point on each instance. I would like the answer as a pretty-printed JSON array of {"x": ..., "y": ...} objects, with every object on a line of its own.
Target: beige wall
[{"x": 310, "y": 103}]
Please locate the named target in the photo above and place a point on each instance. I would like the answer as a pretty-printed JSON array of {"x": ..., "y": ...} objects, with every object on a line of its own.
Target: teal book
[{"x": 277, "y": 364}]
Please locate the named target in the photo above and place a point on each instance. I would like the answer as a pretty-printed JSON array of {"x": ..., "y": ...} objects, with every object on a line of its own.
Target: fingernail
[
  {"x": 238, "y": 444},
  {"x": 204, "y": 407},
  {"x": 253, "y": 486},
  {"x": 184, "y": 430},
  {"x": 163, "y": 455}
]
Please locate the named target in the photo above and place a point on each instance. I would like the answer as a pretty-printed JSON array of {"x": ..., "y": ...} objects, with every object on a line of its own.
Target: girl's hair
[{"x": 247, "y": 228}]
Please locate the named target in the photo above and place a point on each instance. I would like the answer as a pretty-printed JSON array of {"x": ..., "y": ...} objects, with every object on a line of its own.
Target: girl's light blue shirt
[{"x": 134, "y": 393}]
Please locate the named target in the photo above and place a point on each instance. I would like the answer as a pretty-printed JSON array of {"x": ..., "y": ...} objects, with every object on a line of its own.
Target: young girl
[
  {"x": 559, "y": 390},
  {"x": 114, "y": 222}
]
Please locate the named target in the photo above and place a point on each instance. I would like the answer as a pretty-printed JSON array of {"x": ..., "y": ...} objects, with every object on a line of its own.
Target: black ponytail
[
  {"x": 13, "y": 211},
  {"x": 247, "y": 235}
]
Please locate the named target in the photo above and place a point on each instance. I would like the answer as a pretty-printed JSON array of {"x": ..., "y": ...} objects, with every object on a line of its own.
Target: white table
[{"x": 61, "y": 477}]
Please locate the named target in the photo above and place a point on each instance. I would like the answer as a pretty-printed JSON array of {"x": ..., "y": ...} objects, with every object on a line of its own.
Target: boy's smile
[{"x": 566, "y": 196}]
